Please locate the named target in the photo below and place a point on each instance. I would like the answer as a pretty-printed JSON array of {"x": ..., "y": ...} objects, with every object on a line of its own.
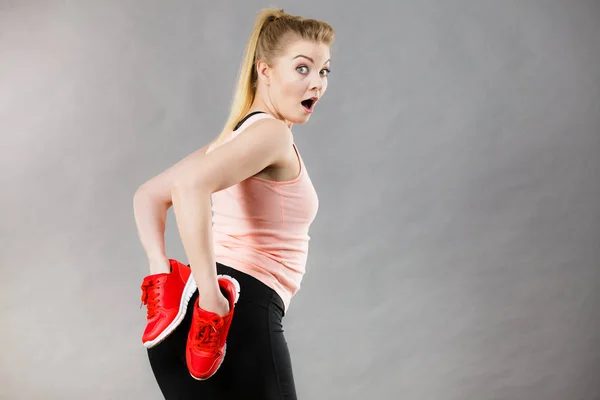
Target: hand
[{"x": 215, "y": 303}]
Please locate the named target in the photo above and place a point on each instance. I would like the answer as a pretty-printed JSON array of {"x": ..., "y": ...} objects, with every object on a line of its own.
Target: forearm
[
  {"x": 192, "y": 207},
  {"x": 150, "y": 218}
]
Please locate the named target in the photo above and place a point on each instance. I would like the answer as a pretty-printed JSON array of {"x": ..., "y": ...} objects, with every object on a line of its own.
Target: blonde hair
[{"x": 273, "y": 30}]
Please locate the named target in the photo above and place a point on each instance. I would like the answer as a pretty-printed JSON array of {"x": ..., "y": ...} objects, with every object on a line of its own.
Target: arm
[
  {"x": 264, "y": 143},
  {"x": 151, "y": 202}
]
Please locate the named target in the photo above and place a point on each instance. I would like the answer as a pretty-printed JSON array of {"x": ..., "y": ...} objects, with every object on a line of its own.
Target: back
[{"x": 261, "y": 227}]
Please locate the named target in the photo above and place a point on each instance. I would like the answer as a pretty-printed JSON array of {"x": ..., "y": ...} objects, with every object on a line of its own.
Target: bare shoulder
[
  {"x": 268, "y": 132},
  {"x": 261, "y": 145}
]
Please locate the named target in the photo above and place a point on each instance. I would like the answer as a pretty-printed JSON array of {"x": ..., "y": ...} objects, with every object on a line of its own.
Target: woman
[{"x": 225, "y": 340}]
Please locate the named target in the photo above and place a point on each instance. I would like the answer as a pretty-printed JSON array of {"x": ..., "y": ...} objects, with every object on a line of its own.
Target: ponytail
[{"x": 246, "y": 83}]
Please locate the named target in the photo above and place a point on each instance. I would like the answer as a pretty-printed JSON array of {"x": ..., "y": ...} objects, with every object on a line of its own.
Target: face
[{"x": 296, "y": 80}]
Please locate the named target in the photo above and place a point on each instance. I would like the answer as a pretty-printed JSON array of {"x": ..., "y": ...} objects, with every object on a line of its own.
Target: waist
[
  {"x": 283, "y": 275},
  {"x": 252, "y": 289}
]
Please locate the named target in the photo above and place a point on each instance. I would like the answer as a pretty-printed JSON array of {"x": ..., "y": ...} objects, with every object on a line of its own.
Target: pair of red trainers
[{"x": 167, "y": 296}]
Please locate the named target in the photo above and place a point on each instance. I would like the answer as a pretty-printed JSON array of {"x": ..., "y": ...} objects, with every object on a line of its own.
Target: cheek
[
  {"x": 293, "y": 84},
  {"x": 290, "y": 79},
  {"x": 296, "y": 90},
  {"x": 291, "y": 92},
  {"x": 291, "y": 87}
]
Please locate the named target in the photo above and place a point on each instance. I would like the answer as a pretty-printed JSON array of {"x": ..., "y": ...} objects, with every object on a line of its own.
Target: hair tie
[{"x": 274, "y": 18}]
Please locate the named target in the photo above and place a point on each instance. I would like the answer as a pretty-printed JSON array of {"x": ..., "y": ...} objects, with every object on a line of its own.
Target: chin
[{"x": 299, "y": 120}]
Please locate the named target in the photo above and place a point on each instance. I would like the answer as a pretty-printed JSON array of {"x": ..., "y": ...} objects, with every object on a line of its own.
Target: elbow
[
  {"x": 145, "y": 195},
  {"x": 141, "y": 193}
]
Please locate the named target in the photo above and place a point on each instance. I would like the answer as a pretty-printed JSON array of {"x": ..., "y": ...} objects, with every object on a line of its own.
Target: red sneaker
[
  {"x": 206, "y": 344},
  {"x": 166, "y": 297}
]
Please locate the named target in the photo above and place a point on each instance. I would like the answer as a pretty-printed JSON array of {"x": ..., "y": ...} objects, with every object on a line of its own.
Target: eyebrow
[{"x": 308, "y": 58}]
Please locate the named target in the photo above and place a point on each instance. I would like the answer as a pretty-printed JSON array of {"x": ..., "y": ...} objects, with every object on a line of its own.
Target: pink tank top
[{"x": 260, "y": 227}]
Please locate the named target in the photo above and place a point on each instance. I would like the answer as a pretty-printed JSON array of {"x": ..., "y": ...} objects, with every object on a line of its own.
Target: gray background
[{"x": 456, "y": 251}]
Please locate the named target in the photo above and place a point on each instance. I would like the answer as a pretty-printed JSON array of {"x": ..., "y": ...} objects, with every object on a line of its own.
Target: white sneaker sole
[
  {"x": 188, "y": 291},
  {"x": 235, "y": 283}
]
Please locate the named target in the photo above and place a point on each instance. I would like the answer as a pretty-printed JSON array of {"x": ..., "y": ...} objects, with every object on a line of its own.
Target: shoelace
[
  {"x": 150, "y": 296},
  {"x": 207, "y": 337}
]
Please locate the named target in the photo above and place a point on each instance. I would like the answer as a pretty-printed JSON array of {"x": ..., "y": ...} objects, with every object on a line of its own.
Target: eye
[
  {"x": 325, "y": 71},
  {"x": 300, "y": 67}
]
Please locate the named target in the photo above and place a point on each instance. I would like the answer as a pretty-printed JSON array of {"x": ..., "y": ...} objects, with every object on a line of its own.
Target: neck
[{"x": 263, "y": 103}]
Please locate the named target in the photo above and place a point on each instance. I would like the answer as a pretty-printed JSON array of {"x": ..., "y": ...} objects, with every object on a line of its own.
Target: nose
[{"x": 317, "y": 83}]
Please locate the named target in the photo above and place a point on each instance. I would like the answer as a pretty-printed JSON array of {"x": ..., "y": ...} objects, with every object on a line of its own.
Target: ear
[{"x": 264, "y": 71}]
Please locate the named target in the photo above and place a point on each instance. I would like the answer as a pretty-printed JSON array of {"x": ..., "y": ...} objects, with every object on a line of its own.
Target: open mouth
[{"x": 308, "y": 104}]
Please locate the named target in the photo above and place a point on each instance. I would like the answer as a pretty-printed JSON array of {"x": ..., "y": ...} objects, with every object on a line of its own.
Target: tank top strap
[
  {"x": 252, "y": 118},
  {"x": 244, "y": 123},
  {"x": 249, "y": 120}
]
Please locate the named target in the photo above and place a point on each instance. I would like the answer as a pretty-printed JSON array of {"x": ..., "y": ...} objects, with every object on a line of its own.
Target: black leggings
[{"x": 257, "y": 364}]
